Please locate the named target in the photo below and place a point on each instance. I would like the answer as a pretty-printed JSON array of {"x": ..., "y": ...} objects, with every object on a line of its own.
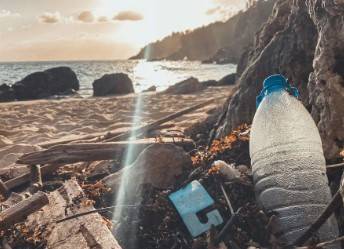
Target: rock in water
[
  {"x": 296, "y": 37},
  {"x": 6, "y": 93},
  {"x": 158, "y": 165},
  {"x": 110, "y": 84},
  {"x": 47, "y": 83},
  {"x": 188, "y": 86}
]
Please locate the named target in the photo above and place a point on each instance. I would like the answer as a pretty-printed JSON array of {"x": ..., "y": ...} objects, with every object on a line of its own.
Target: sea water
[{"x": 143, "y": 74}]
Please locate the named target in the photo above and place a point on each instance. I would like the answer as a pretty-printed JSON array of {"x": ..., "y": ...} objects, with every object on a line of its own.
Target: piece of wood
[
  {"x": 95, "y": 137},
  {"x": 85, "y": 232},
  {"x": 72, "y": 153},
  {"x": 4, "y": 191},
  {"x": 25, "y": 178},
  {"x": 159, "y": 122},
  {"x": 36, "y": 178},
  {"x": 335, "y": 166},
  {"x": 21, "y": 210}
]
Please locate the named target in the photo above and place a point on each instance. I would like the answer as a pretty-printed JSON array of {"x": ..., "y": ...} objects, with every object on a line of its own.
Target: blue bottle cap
[{"x": 273, "y": 83}]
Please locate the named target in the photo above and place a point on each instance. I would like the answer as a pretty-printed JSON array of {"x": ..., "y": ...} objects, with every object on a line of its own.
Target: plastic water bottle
[{"x": 288, "y": 164}]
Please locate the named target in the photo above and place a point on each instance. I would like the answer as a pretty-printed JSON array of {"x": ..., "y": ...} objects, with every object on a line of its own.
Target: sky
[{"x": 35, "y": 30}]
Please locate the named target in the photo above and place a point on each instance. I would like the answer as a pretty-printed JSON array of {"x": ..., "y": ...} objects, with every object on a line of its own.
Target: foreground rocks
[
  {"x": 188, "y": 86},
  {"x": 110, "y": 84},
  {"x": 44, "y": 84},
  {"x": 299, "y": 42}
]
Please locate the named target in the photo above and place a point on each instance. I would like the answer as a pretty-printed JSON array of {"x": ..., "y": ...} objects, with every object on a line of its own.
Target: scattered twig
[
  {"x": 331, "y": 207},
  {"x": 335, "y": 166},
  {"x": 99, "y": 210},
  {"x": 322, "y": 244},
  {"x": 36, "y": 178}
]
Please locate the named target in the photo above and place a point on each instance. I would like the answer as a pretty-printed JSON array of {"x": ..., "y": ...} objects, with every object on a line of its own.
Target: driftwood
[
  {"x": 36, "y": 178},
  {"x": 21, "y": 210},
  {"x": 159, "y": 122},
  {"x": 72, "y": 153},
  {"x": 25, "y": 178},
  {"x": 95, "y": 137},
  {"x": 79, "y": 233}
]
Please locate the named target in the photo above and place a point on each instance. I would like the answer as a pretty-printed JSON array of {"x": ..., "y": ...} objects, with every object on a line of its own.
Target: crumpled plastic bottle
[{"x": 288, "y": 164}]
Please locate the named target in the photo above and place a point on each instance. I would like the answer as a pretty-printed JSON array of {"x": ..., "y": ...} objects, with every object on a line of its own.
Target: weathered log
[
  {"x": 159, "y": 122},
  {"x": 79, "y": 233},
  {"x": 72, "y": 153},
  {"x": 36, "y": 178},
  {"x": 21, "y": 210},
  {"x": 25, "y": 178}
]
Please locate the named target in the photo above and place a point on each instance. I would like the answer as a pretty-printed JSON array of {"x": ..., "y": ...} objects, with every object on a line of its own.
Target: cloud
[
  {"x": 86, "y": 16},
  {"x": 103, "y": 19},
  {"x": 128, "y": 16},
  {"x": 8, "y": 13},
  {"x": 49, "y": 17}
]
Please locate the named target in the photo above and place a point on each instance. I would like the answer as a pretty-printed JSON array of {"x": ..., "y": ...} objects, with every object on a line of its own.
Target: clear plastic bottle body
[{"x": 288, "y": 166}]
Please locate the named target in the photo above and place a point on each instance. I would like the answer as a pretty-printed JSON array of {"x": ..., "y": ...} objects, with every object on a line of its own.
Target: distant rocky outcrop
[
  {"x": 221, "y": 42},
  {"x": 50, "y": 82},
  {"x": 304, "y": 40},
  {"x": 111, "y": 84},
  {"x": 188, "y": 86}
]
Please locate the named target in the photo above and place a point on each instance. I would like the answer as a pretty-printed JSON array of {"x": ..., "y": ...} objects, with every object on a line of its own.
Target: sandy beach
[{"x": 27, "y": 124}]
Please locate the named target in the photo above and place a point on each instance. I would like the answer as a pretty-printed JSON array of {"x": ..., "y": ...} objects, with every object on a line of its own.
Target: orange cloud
[
  {"x": 128, "y": 16},
  {"x": 49, "y": 17},
  {"x": 86, "y": 16}
]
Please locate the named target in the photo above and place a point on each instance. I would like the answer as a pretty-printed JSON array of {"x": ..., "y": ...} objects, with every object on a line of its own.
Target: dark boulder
[
  {"x": 110, "y": 84},
  {"x": 210, "y": 82},
  {"x": 228, "y": 80},
  {"x": 6, "y": 93},
  {"x": 47, "y": 83},
  {"x": 188, "y": 86}
]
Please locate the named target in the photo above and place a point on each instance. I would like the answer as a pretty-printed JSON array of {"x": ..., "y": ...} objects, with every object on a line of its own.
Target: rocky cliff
[
  {"x": 304, "y": 40},
  {"x": 222, "y": 42}
]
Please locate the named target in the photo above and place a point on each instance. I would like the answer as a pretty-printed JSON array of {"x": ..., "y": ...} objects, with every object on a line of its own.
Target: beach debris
[
  {"x": 36, "y": 178},
  {"x": 90, "y": 231},
  {"x": 226, "y": 170},
  {"x": 189, "y": 202},
  {"x": 159, "y": 165},
  {"x": 21, "y": 210},
  {"x": 110, "y": 84},
  {"x": 72, "y": 153}
]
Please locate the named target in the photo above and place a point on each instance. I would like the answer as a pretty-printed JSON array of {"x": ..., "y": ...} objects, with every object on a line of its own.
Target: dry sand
[{"x": 24, "y": 125}]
